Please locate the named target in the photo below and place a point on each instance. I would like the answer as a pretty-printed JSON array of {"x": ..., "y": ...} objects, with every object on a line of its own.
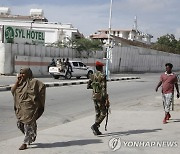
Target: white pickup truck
[{"x": 79, "y": 69}]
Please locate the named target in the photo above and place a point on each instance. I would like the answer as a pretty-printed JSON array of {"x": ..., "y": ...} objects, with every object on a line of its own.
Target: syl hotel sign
[{"x": 22, "y": 35}]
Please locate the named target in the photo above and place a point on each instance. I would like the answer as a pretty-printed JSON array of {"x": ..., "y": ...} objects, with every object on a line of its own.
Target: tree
[
  {"x": 168, "y": 40},
  {"x": 80, "y": 45},
  {"x": 88, "y": 45},
  {"x": 167, "y": 43},
  {"x": 178, "y": 45}
]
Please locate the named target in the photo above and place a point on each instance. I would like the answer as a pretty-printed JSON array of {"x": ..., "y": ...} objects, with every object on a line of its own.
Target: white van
[{"x": 79, "y": 69}]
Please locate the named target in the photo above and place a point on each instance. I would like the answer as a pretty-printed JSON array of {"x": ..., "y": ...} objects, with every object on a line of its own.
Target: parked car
[{"x": 79, "y": 69}]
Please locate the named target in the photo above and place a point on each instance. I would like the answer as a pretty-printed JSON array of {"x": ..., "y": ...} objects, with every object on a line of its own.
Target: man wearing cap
[{"x": 97, "y": 83}]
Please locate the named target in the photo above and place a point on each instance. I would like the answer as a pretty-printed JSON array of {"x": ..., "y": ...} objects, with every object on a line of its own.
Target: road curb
[
  {"x": 59, "y": 84},
  {"x": 7, "y": 88}
]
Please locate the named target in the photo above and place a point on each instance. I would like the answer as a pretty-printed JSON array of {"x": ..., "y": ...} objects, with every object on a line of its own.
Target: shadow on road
[
  {"x": 130, "y": 132},
  {"x": 174, "y": 120},
  {"x": 66, "y": 144}
]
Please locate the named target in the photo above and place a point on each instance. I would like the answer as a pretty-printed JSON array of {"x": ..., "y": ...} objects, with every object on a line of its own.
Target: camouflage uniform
[
  {"x": 99, "y": 97},
  {"x": 97, "y": 82}
]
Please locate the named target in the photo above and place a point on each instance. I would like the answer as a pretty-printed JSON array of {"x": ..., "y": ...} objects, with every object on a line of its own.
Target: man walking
[
  {"x": 168, "y": 80},
  {"x": 29, "y": 101},
  {"x": 68, "y": 65},
  {"x": 97, "y": 83}
]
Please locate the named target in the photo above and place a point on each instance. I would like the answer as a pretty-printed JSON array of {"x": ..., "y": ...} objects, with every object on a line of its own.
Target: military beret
[{"x": 98, "y": 63}]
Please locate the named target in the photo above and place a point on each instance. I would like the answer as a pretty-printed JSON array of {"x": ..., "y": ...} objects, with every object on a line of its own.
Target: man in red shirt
[{"x": 168, "y": 80}]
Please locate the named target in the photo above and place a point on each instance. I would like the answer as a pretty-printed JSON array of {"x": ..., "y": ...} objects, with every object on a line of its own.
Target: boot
[{"x": 95, "y": 129}]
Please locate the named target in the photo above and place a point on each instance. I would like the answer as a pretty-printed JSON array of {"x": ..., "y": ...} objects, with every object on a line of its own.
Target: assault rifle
[{"x": 107, "y": 104}]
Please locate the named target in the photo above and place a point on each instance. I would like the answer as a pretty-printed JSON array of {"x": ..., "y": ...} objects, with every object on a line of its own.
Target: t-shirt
[{"x": 168, "y": 81}]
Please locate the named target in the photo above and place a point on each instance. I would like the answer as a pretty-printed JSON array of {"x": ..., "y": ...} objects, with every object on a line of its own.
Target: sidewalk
[{"x": 76, "y": 136}]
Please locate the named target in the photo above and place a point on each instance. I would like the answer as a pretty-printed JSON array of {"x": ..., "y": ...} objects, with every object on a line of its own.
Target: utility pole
[{"x": 108, "y": 42}]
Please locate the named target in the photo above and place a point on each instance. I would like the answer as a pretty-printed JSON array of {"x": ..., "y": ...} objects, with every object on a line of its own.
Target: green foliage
[
  {"x": 81, "y": 45},
  {"x": 178, "y": 46},
  {"x": 87, "y": 45},
  {"x": 167, "y": 43},
  {"x": 84, "y": 44}
]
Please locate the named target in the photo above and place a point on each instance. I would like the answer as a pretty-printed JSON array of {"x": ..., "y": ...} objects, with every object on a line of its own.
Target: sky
[{"x": 155, "y": 17}]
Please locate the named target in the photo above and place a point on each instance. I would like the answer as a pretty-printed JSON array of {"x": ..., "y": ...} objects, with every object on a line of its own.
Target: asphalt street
[
  {"x": 136, "y": 117},
  {"x": 9, "y": 80},
  {"x": 65, "y": 104}
]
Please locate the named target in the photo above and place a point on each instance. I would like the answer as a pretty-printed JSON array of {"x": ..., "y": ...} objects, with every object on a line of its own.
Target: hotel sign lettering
[{"x": 22, "y": 35}]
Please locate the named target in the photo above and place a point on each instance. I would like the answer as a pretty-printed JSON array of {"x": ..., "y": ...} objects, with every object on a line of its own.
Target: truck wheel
[
  {"x": 89, "y": 74},
  {"x": 68, "y": 75},
  {"x": 56, "y": 76}
]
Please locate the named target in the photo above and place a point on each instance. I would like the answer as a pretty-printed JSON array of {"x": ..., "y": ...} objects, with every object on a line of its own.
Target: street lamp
[{"x": 108, "y": 43}]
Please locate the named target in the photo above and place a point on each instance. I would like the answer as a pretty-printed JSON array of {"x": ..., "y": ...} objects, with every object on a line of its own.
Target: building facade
[
  {"x": 54, "y": 32},
  {"x": 131, "y": 35}
]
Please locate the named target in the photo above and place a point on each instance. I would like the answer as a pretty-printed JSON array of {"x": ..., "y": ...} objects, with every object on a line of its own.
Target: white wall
[
  {"x": 137, "y": 59},
  {"x": 37, "y": 57},
  {"x": 124, "y": 59}
]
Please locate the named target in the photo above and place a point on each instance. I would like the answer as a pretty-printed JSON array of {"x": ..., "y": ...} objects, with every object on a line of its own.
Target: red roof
[{"x": 100, "y": 36}]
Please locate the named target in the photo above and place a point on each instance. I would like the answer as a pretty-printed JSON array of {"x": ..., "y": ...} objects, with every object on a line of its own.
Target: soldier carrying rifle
[{"x": 97, "y": 83}]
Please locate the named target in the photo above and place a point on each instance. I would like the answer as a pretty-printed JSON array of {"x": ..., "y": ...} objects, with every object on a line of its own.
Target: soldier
[{"x": 97, "y": 83}]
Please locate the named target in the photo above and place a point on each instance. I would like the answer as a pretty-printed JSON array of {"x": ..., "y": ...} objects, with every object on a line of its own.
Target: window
[
  {"x": 75, "y": 64},
  {"x": 81, "y": 64}
]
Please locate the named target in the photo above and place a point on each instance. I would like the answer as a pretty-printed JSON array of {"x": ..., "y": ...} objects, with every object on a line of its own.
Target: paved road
[
  {"x": 64, "y": 104},
  {"x": 136, "y": 116},
  {"x": 9, "y": 80}
]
